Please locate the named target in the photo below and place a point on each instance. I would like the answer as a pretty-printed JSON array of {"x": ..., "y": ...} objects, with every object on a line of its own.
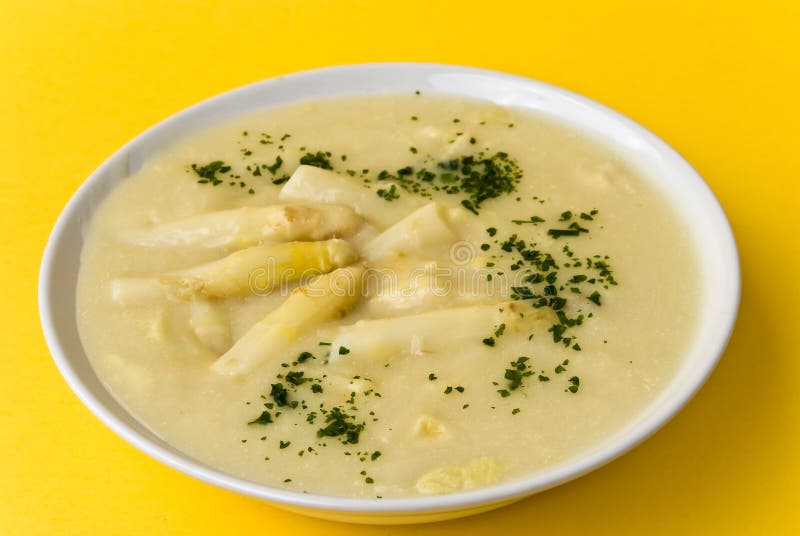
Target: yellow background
[{"x": 717, "y": 81}]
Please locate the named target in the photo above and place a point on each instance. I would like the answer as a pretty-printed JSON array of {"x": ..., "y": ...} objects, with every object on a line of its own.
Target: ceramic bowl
[{"x": 671, "y": 174}]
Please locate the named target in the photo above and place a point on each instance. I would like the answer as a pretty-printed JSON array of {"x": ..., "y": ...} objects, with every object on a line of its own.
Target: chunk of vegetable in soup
[{"x": 386, "y": 296}]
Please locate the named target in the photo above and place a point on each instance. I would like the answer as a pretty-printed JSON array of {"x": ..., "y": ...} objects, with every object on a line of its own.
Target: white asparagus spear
[
  {"x": 326, "y": 297},
  {"x": 128, "y": 291},
  {"x": 209, "y": 325},
  {"x": 312, "y": 184},
  {"x": 424, "y": 232},
  {"x": 247, "y": 226},
  {"x": 257, "y": 270},
  {"x": 414, "y": 285},
  {"x": 381, "y": 339}
]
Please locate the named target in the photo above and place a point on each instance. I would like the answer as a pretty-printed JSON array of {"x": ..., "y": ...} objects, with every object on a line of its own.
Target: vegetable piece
[
  {"x": 209, "y": 325},
  {"x": 247, "y": 226},
  {"x": 412, "y": 285},
  {"x": 129, "y": 291},
  {"x": 479, "y": 472},
  {"x": 258, "y": 270},
  {"x": 421, "y": 333},
  {"x": 429, "y": 427},
  {"x": 326, "y": 297},
  {"x": 312, "y": 184},
  {"x": 417, "y": 234}
]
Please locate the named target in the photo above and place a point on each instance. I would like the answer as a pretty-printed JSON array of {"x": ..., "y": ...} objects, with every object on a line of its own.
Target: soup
[{"x": 386, "y": 296}]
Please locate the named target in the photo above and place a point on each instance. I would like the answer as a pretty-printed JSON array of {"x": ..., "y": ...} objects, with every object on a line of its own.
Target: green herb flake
[
  {"x": 278, "y": 393},
  {"x": 304, "y": 356},
  {"x": 208, "y": 172},
  {"x": 558, "y": 233},
  {"x": 296, "y": 377},
  {"x": 319, "y": 159},
  {"x": 576, "y": 382},
  {"x": 264, "y": 418},
  {"x": 275, "y": 165},
  {"x": 388, "y": 194},
  {"x": 467, "y": 204},
  {"x": 535, "y": 220},
  {"x": 342, "y": 426}
]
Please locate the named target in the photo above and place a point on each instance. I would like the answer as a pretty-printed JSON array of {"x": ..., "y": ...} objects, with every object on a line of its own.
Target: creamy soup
[{"x": 386, "y": 296}]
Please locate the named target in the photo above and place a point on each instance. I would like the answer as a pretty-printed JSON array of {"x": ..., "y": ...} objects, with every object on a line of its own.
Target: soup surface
[{"x": 386, "y": 296}]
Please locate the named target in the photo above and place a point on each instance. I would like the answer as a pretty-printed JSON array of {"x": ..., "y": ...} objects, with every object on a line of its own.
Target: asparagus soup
[{"x": 386, "y": 296}]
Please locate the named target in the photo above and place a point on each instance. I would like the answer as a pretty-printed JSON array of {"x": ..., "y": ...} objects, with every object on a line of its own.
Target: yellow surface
[{"x": 717, "y": 80}]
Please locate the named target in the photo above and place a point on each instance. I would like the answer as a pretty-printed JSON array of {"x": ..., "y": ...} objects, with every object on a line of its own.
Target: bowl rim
[{"x": 495, "y": 494}]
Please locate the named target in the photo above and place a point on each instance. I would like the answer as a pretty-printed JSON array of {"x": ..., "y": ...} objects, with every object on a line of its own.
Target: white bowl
[{"x": 671, "y": 174}]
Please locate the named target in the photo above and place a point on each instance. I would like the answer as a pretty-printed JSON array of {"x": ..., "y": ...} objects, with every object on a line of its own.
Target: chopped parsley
[
  {"x": 208, "y": 172},
  {"x": 304, "y": 356},
  {"x": 535, "y": 220},
  {"x": 296, "y": 377},
  {"x": 475, "y": 178},
  {"x": 264, "y": 418},
  {"x": 342, "y": 426},
  {"x": 275, "y": 166},
  {"x": 574, "y": 230},
  {"x": 319, "y": 159},
  {"x": 516, "y": 374},
  {"x": 390, "y": 194},
  {"x": 576, "y": 382},
  {"x": 279, "y": 394}
]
